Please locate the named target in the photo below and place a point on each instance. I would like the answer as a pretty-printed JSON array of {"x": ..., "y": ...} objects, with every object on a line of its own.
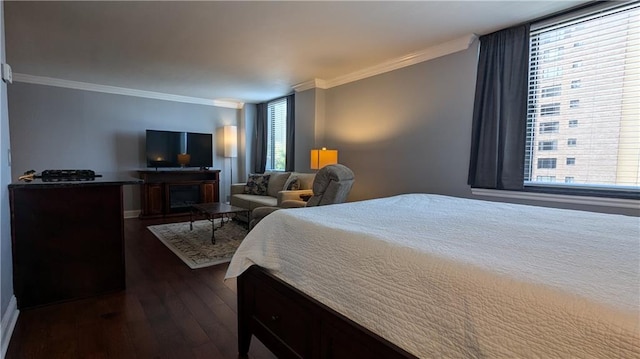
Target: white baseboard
[
  {"x": 132, "y": 214},
  {"x": 9, "y": 319}
]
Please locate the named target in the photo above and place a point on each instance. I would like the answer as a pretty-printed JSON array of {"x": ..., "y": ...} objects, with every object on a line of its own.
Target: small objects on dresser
[{"x": 27, "y": 176}]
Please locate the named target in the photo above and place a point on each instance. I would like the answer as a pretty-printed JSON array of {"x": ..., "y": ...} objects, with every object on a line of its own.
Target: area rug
[{"x": 194, "y": 246}]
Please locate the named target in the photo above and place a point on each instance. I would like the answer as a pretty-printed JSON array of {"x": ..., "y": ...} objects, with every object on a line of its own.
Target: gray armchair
[{"x": 331, "y": 185}]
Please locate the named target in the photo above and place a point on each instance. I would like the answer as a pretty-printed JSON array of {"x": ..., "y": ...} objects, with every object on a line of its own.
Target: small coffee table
[{"x": 213, "y": 211}]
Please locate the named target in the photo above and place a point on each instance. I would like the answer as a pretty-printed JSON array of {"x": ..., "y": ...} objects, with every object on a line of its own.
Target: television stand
[{"x": 171, "y": 193}]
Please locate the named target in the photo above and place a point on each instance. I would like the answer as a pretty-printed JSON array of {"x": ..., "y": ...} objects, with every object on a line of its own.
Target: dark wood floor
[{"x": 167, "y": 311}]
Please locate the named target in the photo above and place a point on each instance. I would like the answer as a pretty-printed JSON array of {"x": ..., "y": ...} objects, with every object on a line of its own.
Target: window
[
  {"x": 551, "y": 91},
  {"x": 550, "y": 109},
  {"x": 551, "y": 72},
  {"x": 549, "y": 127},
  {"x": 546, "y": 178},
  {"x": 550, "y": 37},
  {"x": 547, "y": 145},
  {"x": 604, "y": 67},
  {"x": 546, "y": 163},
  {"x": 551, "y": 55},
  {"x": 277, "y": 134}
]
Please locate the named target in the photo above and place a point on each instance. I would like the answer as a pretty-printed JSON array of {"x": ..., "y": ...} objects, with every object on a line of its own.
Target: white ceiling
[{"x": 241, "y": 51}]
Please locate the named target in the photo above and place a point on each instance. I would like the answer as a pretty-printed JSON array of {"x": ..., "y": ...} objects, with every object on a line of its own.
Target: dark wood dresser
[{"x": 67, "y": 239}]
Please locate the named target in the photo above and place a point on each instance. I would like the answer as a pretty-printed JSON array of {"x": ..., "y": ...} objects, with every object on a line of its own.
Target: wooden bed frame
[{"x": 294, "y": 325}]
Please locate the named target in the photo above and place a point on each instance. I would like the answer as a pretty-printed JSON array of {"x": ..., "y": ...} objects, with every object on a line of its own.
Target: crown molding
[
  {"x": 446, "y": 48},
  {"x": 50, "y": 81},
  {"x": 308, "y": 85},
  {"x": 228, "y": 104}
]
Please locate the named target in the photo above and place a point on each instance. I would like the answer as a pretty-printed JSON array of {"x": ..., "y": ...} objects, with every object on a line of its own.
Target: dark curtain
[
  {"x": 291, "y": 130},
  {"x": 260, "y": 139},
  {"x": 500, "y": 110}
]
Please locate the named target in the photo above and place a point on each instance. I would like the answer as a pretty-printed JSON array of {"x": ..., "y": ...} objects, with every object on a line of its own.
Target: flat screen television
[{"x": 179, "y": 149}]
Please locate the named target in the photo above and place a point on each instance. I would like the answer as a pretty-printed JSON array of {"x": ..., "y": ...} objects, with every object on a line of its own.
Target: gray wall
[
  {"x": 409, "y": 130},
  {"x": 305, "y": 116},
  {"x": 60, "y": 128},
  {"x": 6, "y": 266},
  {"x": 246, "y": 132}
]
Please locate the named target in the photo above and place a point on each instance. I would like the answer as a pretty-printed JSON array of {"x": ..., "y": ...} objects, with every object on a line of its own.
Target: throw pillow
[
  {"x": 276, "y": 182},
  {"x": 306, "y": 179},
  {"x": 257, "y": 184},
  {"x": 292, "y": 184}
]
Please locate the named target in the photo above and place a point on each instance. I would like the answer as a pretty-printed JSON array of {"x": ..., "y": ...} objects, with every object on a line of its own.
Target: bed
[{"x": 432, "y": 276}]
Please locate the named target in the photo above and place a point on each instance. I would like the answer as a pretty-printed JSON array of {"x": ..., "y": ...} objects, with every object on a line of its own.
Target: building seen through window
[
  {"x": 584, "y": 101},
  {"x": 277, "y": 134}
]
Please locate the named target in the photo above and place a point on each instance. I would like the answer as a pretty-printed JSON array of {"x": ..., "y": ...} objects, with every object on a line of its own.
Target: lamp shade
[
  {"x": 323, "y": 157},
  {"x": 184, "y": 159},
  {"x": 230, "y": 141}
]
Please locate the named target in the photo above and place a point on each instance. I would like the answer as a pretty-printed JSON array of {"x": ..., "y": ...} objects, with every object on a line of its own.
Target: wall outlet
[{"x": 7, "y": 74}]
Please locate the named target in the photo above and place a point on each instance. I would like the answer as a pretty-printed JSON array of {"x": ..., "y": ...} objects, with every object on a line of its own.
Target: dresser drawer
[{"x": 287, "y": 319}]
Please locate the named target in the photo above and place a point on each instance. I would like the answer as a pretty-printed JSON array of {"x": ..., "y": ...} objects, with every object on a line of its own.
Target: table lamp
[
  {"x": 184, "y": 159},
  {"x": 323, "y": 157}
]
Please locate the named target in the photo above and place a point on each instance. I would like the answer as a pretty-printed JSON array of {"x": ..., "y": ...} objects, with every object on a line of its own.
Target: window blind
[
  {"x": 584, "y": 97},
  {"x": 277, "y": 134}
]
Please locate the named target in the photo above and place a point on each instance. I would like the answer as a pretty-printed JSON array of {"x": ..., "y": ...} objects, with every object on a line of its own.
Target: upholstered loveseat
[
  {"x": 271, "y": 191},
  {"x": 331, "y": 185}
]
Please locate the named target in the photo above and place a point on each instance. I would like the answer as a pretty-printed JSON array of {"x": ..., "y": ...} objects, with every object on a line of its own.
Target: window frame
[
  {"x": 547, "y": 163},
  {"x": 547, "y": 145},
  {"x": 548, "y": 178},
  {"x": 550, "y": 109},
  {"x": 551, "y": 91},
  {"x": 619, "y": 194},
  {"x": 271, "y": 160},
  {"x": 549, "y": 127}
]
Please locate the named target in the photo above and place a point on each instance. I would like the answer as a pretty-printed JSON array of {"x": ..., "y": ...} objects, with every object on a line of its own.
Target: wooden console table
[
  {"x": 156, "y": 193},
  {"x": 67, "y": 239}
]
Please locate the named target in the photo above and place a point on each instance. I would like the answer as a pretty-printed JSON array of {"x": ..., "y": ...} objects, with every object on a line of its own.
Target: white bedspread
[{"x": 446, "y": 277}]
